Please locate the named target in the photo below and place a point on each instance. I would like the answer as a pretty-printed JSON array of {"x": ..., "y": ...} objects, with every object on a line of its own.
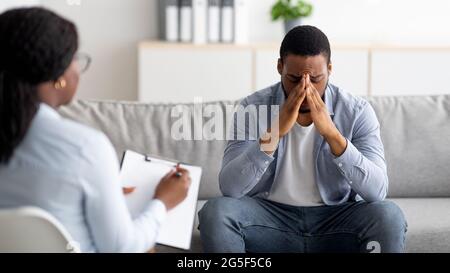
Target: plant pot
[{"x": 290, "y": 24}]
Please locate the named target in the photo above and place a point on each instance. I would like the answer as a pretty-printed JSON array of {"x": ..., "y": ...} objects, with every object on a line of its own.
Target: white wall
[
  {"x": 415, "y": 22},
  {"x": 110, "y": 30},
  {"x": 7, "y": 4}
]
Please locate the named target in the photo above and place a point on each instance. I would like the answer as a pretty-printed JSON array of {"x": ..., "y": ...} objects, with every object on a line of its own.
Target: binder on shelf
[
  {"x": 186, "y": 21},
  {"x": 171, "y": 20},
  {"x": 200, "y": 21},
  {"x": 241, "y": 21},
  {"x": 214, "y": 21},
  {"x": 227, "y": 24}
]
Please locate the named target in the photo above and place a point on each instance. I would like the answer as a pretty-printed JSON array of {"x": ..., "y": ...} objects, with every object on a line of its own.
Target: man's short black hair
[{"x": 305, "y": 41}]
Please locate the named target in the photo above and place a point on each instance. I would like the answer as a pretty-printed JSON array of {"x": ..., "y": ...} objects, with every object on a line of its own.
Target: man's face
[{"x": 293, "y": 67}]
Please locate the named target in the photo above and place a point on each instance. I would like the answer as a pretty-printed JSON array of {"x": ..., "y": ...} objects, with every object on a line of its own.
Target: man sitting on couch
[{"x": 315, "y": 180}]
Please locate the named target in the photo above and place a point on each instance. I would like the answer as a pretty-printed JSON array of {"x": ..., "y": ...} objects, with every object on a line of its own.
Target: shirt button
[
  {"x": 340, "y": 164},
  {"x": 351, "y": 182},
  {"x": 266, "y": 162}
]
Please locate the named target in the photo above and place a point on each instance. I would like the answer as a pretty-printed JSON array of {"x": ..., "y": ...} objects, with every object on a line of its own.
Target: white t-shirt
[{"x": 295, "y": 183}]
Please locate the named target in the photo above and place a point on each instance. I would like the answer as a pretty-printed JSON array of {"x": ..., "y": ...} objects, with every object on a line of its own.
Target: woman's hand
[{"x": 173, "y": 187}]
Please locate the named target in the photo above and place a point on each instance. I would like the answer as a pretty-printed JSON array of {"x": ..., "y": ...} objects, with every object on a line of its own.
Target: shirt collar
[
  {"x": 329, "y": 100},
  {"x": 47, "y": 112}
]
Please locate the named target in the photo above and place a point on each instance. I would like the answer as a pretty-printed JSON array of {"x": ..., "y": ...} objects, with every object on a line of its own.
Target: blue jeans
[{"x": 258, "y": 225}]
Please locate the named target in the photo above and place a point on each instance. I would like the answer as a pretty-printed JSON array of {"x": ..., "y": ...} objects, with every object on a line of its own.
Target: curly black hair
[
  {"x": 305, "y": 41},
  {"x": 36, "y": 46}
]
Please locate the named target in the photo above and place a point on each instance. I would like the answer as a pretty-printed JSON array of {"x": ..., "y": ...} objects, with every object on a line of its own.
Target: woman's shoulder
[
  {"x": 87, "y": 140},
  {"x": 67, "y": 139}
]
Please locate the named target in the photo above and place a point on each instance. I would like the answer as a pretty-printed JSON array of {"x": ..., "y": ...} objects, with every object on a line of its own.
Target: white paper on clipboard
[{"x": 145, "y": 173}]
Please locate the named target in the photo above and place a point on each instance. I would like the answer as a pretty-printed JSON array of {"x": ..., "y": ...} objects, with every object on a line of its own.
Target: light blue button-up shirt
[
  {"x": 359, "y": 173},
  {"x": 72, "y": 172}
]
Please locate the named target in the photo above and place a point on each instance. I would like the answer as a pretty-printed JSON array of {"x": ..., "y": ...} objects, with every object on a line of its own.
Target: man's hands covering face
[
  {"x": 290, "y": 109},
  {"x": 319, "y": 112},
  {"x": 319, "y": 115}
]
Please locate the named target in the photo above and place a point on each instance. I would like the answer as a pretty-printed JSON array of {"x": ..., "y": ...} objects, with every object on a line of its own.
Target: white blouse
[{"x": 72, "y": 172}]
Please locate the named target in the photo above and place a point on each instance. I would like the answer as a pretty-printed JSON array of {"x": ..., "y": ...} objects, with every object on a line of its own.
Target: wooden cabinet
[
  {"x": 410, "y": 71},
  {"x": 182, "y": 73},
  {"x": 177, "y": 73},
  {"x": 351, "y": 70}
]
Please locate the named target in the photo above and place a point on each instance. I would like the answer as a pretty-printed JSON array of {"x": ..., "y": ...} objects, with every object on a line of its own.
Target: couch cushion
[
  {"x": 415, "y": 131},
  {"x": 428, "y": 225}
]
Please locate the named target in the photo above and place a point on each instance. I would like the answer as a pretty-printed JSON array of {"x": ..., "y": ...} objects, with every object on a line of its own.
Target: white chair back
[{"x": 33, "y": 230}]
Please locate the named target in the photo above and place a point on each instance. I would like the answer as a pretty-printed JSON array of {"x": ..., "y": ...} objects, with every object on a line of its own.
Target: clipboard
[{"x": 145, "y": 172}]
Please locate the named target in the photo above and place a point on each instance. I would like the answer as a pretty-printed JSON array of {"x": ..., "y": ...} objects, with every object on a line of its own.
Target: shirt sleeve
[
  {"x": 244, "y": 163},
  {"x": 106, "y": 213},
  {"x": 362, "y": 163}
]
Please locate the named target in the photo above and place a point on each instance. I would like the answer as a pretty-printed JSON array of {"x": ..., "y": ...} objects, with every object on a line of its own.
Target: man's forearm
[
  {"x": 269, "y": 142},
  {"x": 242, "y": 169},
  {"x": 365, "y": 174},
  {"x": 337, "y": 143}
]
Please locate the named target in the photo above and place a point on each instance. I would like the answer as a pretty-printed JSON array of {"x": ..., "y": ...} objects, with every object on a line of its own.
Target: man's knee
[
  {"x": 387, "y": 215},
  {"x": 217, "y": 210}
]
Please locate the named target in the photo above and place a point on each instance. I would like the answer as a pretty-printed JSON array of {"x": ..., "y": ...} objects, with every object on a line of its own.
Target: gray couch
[{"x": 415, "y": 132}]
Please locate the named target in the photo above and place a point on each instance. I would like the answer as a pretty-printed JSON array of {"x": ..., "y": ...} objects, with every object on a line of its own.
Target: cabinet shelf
[{"x": 184, "y": 72}]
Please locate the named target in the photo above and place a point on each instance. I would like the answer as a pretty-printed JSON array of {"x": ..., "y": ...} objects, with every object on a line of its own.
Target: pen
[{"x": 178, "y": 174}]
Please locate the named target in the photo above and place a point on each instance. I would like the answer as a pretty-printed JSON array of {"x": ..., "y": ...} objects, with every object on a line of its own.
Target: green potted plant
[{"x": 291, "y": 12}]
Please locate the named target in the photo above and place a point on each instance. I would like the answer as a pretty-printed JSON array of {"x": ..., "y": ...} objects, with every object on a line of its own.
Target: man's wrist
[
  {"x": 337, "y": 142},
  {"x": 269, "y": 142},
  {"x": 332, "y": 135}
]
